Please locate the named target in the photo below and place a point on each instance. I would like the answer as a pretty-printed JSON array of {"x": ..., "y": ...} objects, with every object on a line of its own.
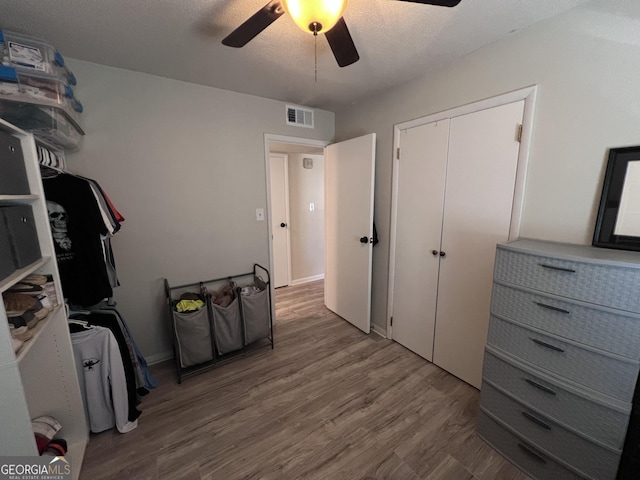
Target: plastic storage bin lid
[{"x": 31, "y": 53}]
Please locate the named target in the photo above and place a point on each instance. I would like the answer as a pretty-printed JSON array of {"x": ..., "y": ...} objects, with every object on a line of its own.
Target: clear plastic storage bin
[
  {"x": 50, "y": 124},
  {"x": 40, "y": 89},
  {"x": 27, "y": 53}
]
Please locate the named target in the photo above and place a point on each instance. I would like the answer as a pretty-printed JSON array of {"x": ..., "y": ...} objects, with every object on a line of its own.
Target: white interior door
[
  {"x": 349, "y": 184},
  {"x": 421, "y": 173},
  {"x": 481, "y": 174},
  {"x": 280, "y": 219}
]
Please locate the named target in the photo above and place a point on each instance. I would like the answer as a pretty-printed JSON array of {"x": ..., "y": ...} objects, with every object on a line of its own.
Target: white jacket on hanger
[{"x": 102, "y": 380}]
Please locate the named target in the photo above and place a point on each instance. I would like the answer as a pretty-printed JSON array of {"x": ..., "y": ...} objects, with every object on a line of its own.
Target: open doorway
[
  {"x": 349, "y": 172},
  {"x": 295, "y": 213}
]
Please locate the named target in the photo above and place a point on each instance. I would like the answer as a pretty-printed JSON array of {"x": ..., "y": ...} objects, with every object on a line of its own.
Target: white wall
[
  {"x": 586, "y": 64},
  {"x": 307, "y": 227},
  {"x": 185, "y": 165}
]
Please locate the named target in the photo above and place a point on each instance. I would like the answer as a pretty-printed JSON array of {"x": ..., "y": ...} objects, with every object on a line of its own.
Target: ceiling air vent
[{"x": 302, "y": 117}]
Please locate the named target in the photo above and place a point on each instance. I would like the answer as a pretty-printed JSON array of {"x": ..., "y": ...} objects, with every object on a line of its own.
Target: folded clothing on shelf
[
  {"x": 44, "y": 429},
  {"x": 23, "y": 313},
  {"x": 20, "y": 333},
  {"x": 16, "y": 344},
  {"x": 36, "y": 279},
  {"x": 17, "y": 304},
  {"x": 27, "y": 288}
]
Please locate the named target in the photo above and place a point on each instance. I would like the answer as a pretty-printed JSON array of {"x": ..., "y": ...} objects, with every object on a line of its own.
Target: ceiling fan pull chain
[{"x": 315, "y": 51}]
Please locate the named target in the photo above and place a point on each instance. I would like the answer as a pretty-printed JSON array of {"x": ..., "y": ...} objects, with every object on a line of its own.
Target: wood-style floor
[{"x": 328, "y": 403}]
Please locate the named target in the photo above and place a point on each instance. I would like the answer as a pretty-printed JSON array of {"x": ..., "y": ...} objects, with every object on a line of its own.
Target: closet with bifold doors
[
  {"x": 456, "y": 185},
  {"x": 215, "y": 320}
]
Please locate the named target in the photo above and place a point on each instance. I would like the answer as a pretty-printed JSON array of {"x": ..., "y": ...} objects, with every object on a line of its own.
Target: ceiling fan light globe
[{"x": 306, "y": 13}]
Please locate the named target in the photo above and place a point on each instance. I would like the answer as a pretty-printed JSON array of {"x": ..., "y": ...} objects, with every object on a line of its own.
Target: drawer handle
[
  {"x": 551, "y": 307},
  {"x": 536, "y": 420},
  {"x": 531, "y": 453},
  {"x": 539, "y": 386},
  {"x": 553, "y": 267},
  {"x": 546, "y": 345}
]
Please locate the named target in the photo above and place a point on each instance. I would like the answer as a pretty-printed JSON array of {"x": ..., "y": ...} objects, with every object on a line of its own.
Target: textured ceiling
[{"x": 180, "y": 39}]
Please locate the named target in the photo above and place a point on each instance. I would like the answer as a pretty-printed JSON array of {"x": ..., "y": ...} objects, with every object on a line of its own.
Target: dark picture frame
[{"x": 614, "y": 182}]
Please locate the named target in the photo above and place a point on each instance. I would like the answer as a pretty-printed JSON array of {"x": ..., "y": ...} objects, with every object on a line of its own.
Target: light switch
[
  {"x": 312, "y": 207},
  {"x": 259, "y": 214}
]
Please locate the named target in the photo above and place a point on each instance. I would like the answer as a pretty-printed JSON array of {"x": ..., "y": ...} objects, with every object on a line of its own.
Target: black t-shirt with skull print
[{"x": 77, "y": 226}]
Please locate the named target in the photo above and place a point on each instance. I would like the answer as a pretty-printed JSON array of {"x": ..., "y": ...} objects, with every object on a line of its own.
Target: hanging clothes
[
  {"x": 50, "y": 158},
  {"x": 82, "y": 223},
  {"x": 102, "y": 380},
  {"x": 107, "y": 320},
  {"x": 144, "y": 379}
]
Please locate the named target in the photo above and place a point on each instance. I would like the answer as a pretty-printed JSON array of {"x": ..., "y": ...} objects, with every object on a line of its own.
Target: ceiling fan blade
[
  {"x": 254, "y": 25},
  {"x": 342, "y": 44},
  {"x": 440, "y": 3}
]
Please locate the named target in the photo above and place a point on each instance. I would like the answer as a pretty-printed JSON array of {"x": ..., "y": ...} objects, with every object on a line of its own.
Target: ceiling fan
[{"x": 314, "y": 16}]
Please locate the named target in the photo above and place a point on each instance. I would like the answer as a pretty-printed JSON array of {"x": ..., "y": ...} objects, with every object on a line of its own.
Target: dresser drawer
[
  {"x": 614, "y": 331},
  {"x": 533, "y": 461},
  {"x": 582, "y": 454},
  {"x": 594, "y": 416},
  {"x": 608, "y": 285},
  {"x": 612, "y": 375}
]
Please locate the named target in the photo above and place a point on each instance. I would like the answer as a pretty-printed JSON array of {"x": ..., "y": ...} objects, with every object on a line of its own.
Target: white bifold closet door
[
  {"x": 455, "y": 195},
  {"x": 420, "y": 201}
]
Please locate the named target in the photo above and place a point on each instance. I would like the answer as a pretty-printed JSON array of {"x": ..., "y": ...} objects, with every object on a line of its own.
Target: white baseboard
[
  {"x": 378, "y": 330},
  {"x": 159, "y": 357},
  {"x": 313, "y": 278}
]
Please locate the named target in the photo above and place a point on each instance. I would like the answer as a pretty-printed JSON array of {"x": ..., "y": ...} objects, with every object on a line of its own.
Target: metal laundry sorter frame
[{"x": 215, "y": 334}]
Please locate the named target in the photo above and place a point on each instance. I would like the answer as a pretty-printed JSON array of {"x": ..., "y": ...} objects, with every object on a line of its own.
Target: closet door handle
[
  {"x": 535, "y": 420},
  {"x": 546, "y": 345},
  {"x": 434, "y": 252},
  {"x": 283, "y": 224},
  {"x": 535, "y": 455},
  {"x": 553, "y": 267},
  {"x": 551, "y": 307},
  {"x": 540, "y": 387},
  {"x": 442, "y": 254}
]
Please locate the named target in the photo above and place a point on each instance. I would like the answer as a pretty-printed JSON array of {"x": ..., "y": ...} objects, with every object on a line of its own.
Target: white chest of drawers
[{"x": 562, "y": 358}]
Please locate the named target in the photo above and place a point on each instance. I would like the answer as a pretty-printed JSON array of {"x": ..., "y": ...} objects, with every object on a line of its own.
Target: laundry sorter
[{"x": 215, "y": 320}]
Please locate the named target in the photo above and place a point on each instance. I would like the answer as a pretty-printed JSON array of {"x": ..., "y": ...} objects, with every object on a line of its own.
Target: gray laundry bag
[
  {"x": 228, "y": 327},
  {"x": 193, "y": 334},
  {"x": 256, "y": 316}
]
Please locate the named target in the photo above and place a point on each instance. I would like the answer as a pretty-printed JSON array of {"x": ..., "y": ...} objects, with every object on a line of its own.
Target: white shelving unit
[{"x": 41, "y": 379}]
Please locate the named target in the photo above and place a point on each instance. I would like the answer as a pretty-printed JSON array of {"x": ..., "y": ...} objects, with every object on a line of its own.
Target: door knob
[
  {"x": 442, "y": 254},
  {"x": 283, "y": 224},
  {"x": 364, "y": 239},
  {"x": 434, "y": 252}
]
